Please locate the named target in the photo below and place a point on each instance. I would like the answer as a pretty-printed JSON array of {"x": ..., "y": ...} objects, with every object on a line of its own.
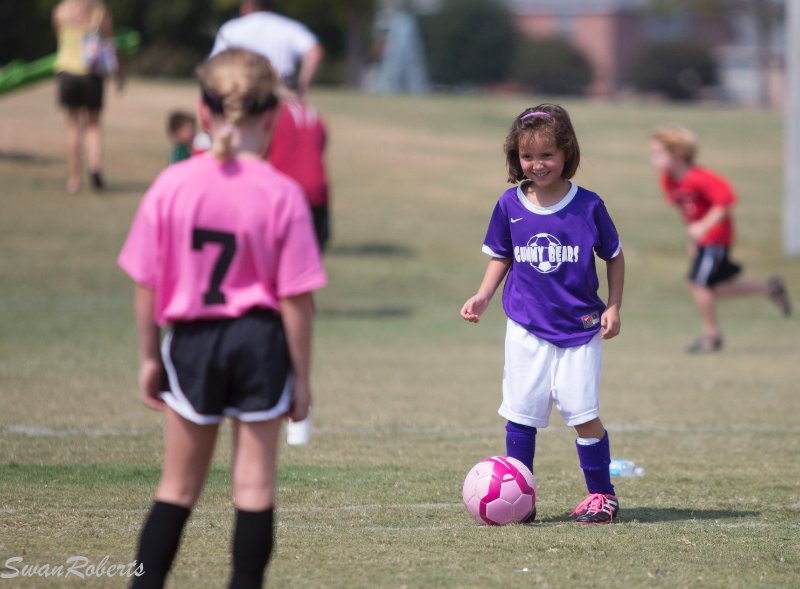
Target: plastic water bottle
[
  {"x": 298, "y": 433},
  {"x": 624, "y": 468}
]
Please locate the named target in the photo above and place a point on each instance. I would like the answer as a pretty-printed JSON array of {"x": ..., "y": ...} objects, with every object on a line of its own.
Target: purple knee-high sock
[
  {"x": 521, "y": 443},
  {"x": 594, "y": 461}
]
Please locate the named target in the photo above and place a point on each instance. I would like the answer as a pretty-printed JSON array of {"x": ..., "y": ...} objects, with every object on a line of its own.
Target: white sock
[{"x": 588, "y": 441}]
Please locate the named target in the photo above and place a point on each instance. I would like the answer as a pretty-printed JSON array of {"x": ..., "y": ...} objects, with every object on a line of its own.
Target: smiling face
[{"x": 541, "y": 161}]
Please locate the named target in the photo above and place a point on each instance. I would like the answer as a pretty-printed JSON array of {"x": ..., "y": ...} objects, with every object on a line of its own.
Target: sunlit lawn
[{"x": 406, "y": 392}]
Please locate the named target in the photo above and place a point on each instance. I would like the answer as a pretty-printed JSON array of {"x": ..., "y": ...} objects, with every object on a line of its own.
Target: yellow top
[
  {"x": 73, "y": 19},
  {"x": 69, "y": 58}
]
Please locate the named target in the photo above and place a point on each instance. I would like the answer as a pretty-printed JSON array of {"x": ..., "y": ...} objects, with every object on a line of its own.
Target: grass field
[{"x": 406, "y": 392}]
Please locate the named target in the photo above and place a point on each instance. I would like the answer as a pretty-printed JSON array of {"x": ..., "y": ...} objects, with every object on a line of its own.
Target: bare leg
[
  {"x": 591, "y": 429},
  {"x": 94, "y": 144},
  {"x": 188, "y": 448},
  {"x": 704, "y": 300},
  {"x": 73, "y": 120},
  {"x": 94, "y": 141},
  {"x": 254, "y": 463},
  {"x": 255, "y": 456},
  {"x": 740, "y": 287},
  {"x": 774, "y": 289}
]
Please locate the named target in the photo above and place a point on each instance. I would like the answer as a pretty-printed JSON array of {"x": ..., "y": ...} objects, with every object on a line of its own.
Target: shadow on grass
[
  {"x": 122, "y": 188},
  {"x": 666, "y": 514},
  {"x": 373, "y": 248},
  {"x": 22, "y": 157},
  {"x": 663, "y": 514},
  {"x": 376, "y": 313}
]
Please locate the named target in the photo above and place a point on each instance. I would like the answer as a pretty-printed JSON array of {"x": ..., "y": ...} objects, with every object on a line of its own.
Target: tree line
[
  {"x": 468, "y": 43},
  {"x": 177, "y": 34}
]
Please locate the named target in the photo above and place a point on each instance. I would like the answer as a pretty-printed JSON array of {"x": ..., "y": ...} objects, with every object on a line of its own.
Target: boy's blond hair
[{"x": 678, "y": 140}]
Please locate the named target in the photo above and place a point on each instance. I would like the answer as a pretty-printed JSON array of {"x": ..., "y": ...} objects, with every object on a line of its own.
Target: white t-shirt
[{"x": 280, "y": 39}]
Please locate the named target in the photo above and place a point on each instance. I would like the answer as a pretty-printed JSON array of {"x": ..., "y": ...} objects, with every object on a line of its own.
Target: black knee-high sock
[
  {"x": 158, "y": 543},
  {"x": 252, "y": 546}
]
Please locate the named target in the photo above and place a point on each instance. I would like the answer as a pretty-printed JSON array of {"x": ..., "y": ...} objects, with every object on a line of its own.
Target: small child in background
[
  {"x": 181, "y": 129},
  {"x": 186, "y": 141},
  {"x": 705, "y": 199},
  {"x": 543, "y": 237},
  {"x": 297, "y": 149}
]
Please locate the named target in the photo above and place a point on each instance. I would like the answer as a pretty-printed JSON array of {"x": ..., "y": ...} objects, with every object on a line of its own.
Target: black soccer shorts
[
  {"x": 236, "y": 367},
  {"x": 80, "y": 91},
  {"x": 712, "y": 266}
]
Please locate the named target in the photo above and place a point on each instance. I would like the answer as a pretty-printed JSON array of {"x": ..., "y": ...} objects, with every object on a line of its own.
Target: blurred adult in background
[
  {"x": 298, "y": 141},
  {"x": 86, "y": 55},
  {"x": 398, "y": 48},
  {"x": 285, "y": 42}
]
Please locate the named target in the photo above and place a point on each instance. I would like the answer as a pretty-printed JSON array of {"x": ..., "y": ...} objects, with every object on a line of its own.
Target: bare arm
[
  {"x": 615, "y": 272},
  {"x": 297, "y": 315},
  {"x": 309, "y": 68},
  {"x": 150, "y": 367},
  {"x": 477, "y": 304},
  {"x": 107, "y": 30},
  {"x": 702, "y": 226}
]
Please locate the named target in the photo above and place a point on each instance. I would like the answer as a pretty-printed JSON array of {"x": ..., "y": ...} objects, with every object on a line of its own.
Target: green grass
[{"x": 405, "y": 392}]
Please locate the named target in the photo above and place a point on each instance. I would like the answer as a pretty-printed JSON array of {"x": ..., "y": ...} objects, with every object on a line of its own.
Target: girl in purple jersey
[
  {"x": 224, "y": 256},
  {"x": 543, "y": 237}
]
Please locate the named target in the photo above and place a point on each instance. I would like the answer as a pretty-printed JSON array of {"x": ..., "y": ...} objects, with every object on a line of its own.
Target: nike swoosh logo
[{"x": 515, "y": 220}]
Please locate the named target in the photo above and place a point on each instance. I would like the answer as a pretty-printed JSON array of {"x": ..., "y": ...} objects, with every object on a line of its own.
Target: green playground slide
[{"x": 18, "y": 73}]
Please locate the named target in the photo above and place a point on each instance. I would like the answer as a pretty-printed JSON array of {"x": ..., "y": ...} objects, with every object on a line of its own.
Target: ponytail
[{"x": 237, "y": 84}]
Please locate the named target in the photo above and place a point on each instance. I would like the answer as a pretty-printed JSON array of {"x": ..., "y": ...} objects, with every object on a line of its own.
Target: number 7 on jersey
[{"x": 200, "y": 237}]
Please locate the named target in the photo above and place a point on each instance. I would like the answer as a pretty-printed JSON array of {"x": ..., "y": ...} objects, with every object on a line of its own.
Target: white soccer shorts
[{"x": 539, "y": 374}]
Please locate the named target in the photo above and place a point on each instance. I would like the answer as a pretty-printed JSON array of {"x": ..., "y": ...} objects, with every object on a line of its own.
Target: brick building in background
[
  {"x": 612, "y": 33},
  {"x": 609, "y": 33}
]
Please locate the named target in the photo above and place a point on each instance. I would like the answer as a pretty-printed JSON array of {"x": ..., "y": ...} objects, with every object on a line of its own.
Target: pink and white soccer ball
[{"x": 499, "y": 490}]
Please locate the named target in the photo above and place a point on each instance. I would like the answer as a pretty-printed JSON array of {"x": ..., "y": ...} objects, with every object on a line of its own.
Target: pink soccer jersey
[{"x": 217, "y": 239}]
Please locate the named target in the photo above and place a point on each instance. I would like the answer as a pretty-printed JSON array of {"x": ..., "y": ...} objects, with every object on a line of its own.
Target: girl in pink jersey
[
  {"x": 224, "y": 257},
  {"x": 705, "y": 200}
]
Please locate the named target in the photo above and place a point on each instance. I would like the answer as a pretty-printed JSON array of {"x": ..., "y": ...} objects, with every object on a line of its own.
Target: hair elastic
[
  {"x": 212, "y": 101},
  {"x": 538, "y": 113},
  {"x": 251, "y": 107}
]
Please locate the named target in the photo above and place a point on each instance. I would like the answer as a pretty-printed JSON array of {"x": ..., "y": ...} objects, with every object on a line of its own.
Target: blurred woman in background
[{"x": 86, "y": 55}]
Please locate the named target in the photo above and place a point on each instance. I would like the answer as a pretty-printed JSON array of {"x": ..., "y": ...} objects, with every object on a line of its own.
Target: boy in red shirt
[{"x": 705, "y": 200}]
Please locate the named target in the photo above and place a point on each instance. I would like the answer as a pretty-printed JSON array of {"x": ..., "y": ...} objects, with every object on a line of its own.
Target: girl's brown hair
[
  {"x": 237, "y": 84},
  {"x": 551, "y": 121}
]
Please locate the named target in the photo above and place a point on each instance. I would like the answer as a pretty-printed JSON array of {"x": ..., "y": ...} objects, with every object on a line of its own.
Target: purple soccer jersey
[{"x": 551, "y": 287}]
